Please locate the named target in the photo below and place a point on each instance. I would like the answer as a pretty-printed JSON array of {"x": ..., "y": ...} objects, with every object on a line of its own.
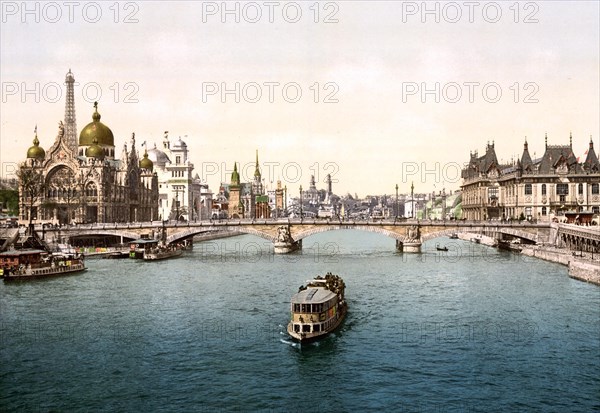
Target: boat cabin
[
  {"x": 15, "y": 259},
  {"x": 139, "y": 246}
]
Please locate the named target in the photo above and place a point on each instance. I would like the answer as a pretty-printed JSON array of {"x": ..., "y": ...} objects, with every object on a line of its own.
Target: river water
[{"x": 470, "y": 330}]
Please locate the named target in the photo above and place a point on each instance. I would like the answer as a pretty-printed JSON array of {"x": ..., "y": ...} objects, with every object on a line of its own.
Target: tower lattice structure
[{"x": 70, "y": 122}]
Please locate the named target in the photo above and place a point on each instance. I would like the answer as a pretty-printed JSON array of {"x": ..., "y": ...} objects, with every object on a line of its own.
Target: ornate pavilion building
[
  {"x": 81, "y": 180},
  {"x": 539, "y": 189},
  {"x": 182, "y": 196}
]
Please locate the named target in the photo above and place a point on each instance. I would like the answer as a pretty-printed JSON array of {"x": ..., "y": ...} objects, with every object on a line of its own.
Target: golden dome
[
  {"x": 146, "y": 163},
  {"x": 96, "y": 130},
  {"x": 95, "y": 151},
  {"x": 35, "y": 152}
]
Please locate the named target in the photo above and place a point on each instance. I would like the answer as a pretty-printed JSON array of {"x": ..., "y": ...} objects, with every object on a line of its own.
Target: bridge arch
[
  {"x": 234, "y": 230},
  {"x": 480, "y": 230},
  {"x": 325, "y": 228}
]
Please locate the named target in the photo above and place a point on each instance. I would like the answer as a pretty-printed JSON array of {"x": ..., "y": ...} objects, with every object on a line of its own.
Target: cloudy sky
[{"x": 375, "y": 93}]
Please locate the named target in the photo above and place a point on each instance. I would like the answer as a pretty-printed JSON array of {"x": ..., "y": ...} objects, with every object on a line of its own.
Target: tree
[
  {"x": 32, "y": 187},
  {"x": 10, "y": 198}
]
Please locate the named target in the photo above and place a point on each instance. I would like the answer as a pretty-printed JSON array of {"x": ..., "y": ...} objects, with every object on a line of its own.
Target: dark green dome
[
  {"x": 146, "y": 163},
  {"x": 96, "y": 130},
  {"x": 36, "y": 152}
]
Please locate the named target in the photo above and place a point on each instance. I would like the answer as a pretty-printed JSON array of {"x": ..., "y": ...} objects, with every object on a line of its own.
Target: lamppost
[
  {"x": 412, "y": 199},
  {"x": 444, "y": 204},
  {"x": 396, "y": 215},
  {"x": 301, "y": 214}
]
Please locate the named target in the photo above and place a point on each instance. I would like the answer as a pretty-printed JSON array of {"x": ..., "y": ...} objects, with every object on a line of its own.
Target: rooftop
[{"x": 312, "y": 295}]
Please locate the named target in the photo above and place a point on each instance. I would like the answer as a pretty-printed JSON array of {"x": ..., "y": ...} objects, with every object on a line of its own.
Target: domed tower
[
  {"x": 36, "y": 153},
  {"x": 97, "y": 133}
]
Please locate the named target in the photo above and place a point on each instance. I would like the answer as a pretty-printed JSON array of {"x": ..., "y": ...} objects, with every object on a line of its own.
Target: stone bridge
[{"x": 287, "y": 234}]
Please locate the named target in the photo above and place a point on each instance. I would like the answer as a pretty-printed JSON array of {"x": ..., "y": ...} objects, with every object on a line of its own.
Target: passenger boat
[
  {"x": 317, "y": 308},
  {"x": 162, "y": 252},
  {"x": 437, "y": 247},
  {"x": 138, "y": 247},
  {"x": 453, "y": 236},
  {"x": 32, "y": 263}
]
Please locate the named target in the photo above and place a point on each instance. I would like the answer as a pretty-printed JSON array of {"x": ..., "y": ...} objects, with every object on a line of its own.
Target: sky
[{"x": 373, "y": 93}]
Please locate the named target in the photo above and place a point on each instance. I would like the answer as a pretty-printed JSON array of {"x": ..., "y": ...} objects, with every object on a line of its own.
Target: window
[
  {"x": 580, "y": 189},
  {"x": 528, "y": 212},
  {"x": 543, "y": 189},
  {"x": 595, "y": 189},
  {"x": 596, "y": 210},
  {"x": 493, "y": 192},
  {"x": 527, "y": 189},
  {"x": 306, "y": 328},
  {"x": 544, "y": 212},
  {"x": 317, "y": 328},
  {"x": 562, "y": 189}
]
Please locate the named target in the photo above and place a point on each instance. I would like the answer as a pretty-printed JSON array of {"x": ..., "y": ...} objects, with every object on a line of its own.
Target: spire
[
  {"x": 257, "y": 170},
  {"x": 525, "y": 146},
  {"x": 235, "y": 176},
  {"x": 571, "y": 139},
  {"x": 70, "y": 137},
  {"x": 546, "y": 139},
  {"x": 591, "y": 143}
]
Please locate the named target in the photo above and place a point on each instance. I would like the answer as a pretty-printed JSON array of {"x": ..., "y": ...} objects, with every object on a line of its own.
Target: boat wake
[{"x": 290, "y": 343}]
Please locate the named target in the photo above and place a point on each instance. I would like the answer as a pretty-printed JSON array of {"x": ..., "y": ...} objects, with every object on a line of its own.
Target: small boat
[
  {"x": 35, "y": 263},
  {"x": 116, "y": 255},
  {"x": 162, "y": 253},
  {"x": 437, "y": 247},
  {"x": 453, "y": 236},
  {"x": 509, "y": 246},
  {"x": 317, "y": 308}
]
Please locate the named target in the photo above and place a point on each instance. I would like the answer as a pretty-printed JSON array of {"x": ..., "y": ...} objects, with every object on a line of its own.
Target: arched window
[
  {"x": 595, "y": 189},
  {"x": 543, "y": 189},
  {"x": 544, "y": 213},
  {"x": 580, "y": 189},
  {"x": 527, "y": 189}
]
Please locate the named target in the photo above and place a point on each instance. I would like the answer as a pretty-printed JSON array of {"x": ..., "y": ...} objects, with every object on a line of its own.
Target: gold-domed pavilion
[{"x": 81, "y": 181}]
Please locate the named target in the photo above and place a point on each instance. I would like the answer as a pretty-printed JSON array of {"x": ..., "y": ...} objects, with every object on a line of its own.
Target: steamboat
[
  {"x": 35, "y": 263},
  {"x": 318, "y": 308}
]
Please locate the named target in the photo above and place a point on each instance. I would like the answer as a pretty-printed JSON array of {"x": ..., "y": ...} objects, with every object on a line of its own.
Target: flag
[
  {"x": 35, "y": 130},
  {"x": 143, "y": 143}
]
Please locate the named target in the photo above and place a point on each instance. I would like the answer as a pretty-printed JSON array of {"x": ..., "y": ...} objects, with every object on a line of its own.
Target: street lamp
[
  {"x": 301, "y": 214},
  {"x": 396, "y": 201},
  {"x": 412, "y": 199}
]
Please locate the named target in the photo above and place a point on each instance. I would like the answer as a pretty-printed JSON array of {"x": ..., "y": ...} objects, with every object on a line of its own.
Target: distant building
[{"x": 539, "y": 189}]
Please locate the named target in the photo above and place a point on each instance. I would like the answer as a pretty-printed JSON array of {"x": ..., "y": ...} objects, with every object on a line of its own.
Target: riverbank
[{"x": 582, "y": 268}]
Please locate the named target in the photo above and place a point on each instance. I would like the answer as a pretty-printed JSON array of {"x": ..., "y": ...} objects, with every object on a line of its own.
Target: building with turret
[
  {"x": 182, "y": 194},
  {"x": 79, "y": 179},
  {"x": 531, "y": 188}
]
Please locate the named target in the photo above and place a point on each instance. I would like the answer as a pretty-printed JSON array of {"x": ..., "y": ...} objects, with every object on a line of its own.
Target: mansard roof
[
  {"x": 482, "y": 164},
  {"x": 555, "y": 155}
]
